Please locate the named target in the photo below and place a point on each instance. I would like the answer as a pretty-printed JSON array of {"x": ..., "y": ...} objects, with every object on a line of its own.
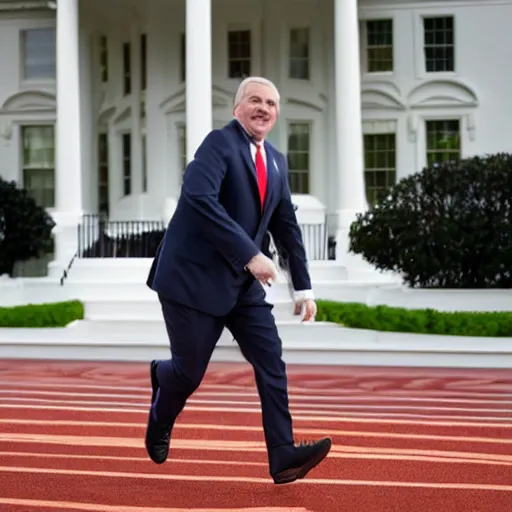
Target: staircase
[
  {"x": 123, "y": 316},
  {"x": 123, "y": 322}
]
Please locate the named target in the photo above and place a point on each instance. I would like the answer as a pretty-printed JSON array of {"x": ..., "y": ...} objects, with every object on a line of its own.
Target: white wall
[
  {"x": 482, "y": 76},
  {"x": 166, "y": 23},
  {"x": 21, "y": 102},
  {"x": 482, "y": 44}
]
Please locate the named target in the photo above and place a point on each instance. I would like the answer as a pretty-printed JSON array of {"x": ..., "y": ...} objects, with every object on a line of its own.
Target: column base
[
  {"x": 357, "y": 268},
  {"x": 344, "y": 221},
  {"x": 65, "y": 236}
]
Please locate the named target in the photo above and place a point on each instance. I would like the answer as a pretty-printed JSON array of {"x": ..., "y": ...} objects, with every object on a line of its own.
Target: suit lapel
[
  {"x": 249, "y": 162},
  {"x": 245, "y": 150}
]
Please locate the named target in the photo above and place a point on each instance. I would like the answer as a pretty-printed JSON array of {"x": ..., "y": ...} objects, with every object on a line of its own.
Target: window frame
[
  {"x": 385, "y": 171},
  {"x": 290, "y": 58},
  {"x": 428, "y": 120},
  {"x": 23, "y": 167},
  {"x": 232, "y": 29},
  {"x": 124, "y": 159},
  {"x": 452, "y": 46},
  {"x": 292, "y": 172},
  {"x": 126, "y": 68},
  {"x": 419, "y": 54},
  {"x": 363, "y": 27},
  {"x": 24, "y": 79}
]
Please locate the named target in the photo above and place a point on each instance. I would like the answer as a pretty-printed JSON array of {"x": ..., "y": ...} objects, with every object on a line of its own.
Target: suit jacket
[{"x": 218, "y": 225}]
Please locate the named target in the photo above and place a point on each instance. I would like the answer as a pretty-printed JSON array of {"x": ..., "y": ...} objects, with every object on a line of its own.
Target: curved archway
[
  {"x": 381, "y": 96},
  {"x": 30, "y": 100},
  {"x": 442, "y": 94}
]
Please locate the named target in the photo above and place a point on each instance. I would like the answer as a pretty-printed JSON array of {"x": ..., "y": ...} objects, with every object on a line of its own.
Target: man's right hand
[{"x": 262, "y": 268}]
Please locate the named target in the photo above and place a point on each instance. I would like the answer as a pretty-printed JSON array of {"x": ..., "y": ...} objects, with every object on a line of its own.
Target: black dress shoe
[
  {"x": 301, "y": 460},
  {"x": 154, "y": 380},
  {"x": 158, "y": 435}
]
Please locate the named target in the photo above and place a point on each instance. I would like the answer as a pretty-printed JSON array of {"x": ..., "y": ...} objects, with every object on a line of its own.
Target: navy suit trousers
[{"x": 193, "y": 336}]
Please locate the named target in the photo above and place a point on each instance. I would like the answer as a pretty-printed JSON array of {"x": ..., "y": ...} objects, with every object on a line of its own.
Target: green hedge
[
  {"x": 354, "y": 315},
  {"x": 421, "y": 321},
  {"x": 58, "y": 314}
]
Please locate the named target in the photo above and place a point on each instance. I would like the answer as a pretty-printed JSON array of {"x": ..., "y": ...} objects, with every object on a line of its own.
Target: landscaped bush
[
  {"x": 448, "y": 226},
  {"x": 421, "y": 321},
  {"x": 57, "y": 314},
  {"x": 25, "y": 227}
]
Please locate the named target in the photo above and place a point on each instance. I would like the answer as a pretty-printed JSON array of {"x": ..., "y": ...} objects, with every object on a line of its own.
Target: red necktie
[{"x": 261, "y": 174}]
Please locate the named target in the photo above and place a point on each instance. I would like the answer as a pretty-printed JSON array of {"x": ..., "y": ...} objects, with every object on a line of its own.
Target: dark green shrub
[
  {"x": 25, "y": 227},
  {"x": 448, "y": 226}
]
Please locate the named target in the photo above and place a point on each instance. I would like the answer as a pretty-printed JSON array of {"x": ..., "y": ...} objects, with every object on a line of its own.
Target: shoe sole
[{"x": 290, "y": 475}]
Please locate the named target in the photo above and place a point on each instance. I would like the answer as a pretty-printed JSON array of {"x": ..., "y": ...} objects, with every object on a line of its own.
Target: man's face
[{"x": 258, "y": 110}]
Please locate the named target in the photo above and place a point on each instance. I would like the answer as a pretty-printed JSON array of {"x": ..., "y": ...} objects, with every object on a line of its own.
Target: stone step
[
  {"x": 152, "y": 331},
  {"x": 137, "y": 269},
  {"x": 149, "y": 309},
  {"x": 92, "y": 290},
  {"x": 317, "y": 343}
]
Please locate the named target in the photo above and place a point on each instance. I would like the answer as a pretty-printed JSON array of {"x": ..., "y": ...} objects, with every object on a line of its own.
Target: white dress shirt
[{"x": 298, "y": 295}]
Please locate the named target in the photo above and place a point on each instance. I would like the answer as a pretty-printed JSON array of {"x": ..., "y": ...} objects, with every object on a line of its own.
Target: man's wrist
[{"x": 246, "y": 267}]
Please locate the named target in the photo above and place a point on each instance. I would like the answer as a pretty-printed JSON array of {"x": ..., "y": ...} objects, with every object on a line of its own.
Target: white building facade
[{"x": 102, "y": 103}]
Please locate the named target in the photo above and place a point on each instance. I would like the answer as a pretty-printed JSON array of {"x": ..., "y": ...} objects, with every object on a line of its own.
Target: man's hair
[{"x": 240, "y": 93}]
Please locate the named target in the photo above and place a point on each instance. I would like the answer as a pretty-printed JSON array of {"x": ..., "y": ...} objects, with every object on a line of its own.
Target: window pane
[
  {"x": 104, "y": 59},
  {"x": 380, "y": 59},
  {"x": 127, "y": 73},
  {"x": 379, "y": 161},
  {"x": 127, "y": 163},
  {"x": 239, "y": 53},
  {"x": 379, "y": 45},
  {"x": 38, "y": 146},
  {"x": 299, "y": 69},
  {"x": 299, "y": 157},
  {"x": 443, "y": 141},
  {"x": 39, "y": 54},
  {"x": 438, "y": 40},
  {"x": 38, "y": 159},
  {"x": 40, "y": 185},
  {"x": 299, "y": 43},
  {"x": 379, "y": 32}
]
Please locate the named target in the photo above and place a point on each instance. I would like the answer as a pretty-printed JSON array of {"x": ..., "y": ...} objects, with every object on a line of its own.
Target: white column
[
  {"x": 199, "y": 73},
  {"x": 136, "y": 111},
  {"x": 349, "y": 137},
  {"x": 68, "y": 178}
]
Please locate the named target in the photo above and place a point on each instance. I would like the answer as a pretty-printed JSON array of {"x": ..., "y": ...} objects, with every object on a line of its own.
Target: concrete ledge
[
  {"x": 400, "y": 296},
  {"x": 319, "y": 343}
]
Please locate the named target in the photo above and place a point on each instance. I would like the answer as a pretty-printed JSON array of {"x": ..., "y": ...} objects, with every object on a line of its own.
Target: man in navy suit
[{"x": 209, "y": 270}]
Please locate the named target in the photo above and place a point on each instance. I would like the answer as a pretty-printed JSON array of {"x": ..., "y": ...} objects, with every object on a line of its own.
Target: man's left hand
[{"x": 308, "y": 308}]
